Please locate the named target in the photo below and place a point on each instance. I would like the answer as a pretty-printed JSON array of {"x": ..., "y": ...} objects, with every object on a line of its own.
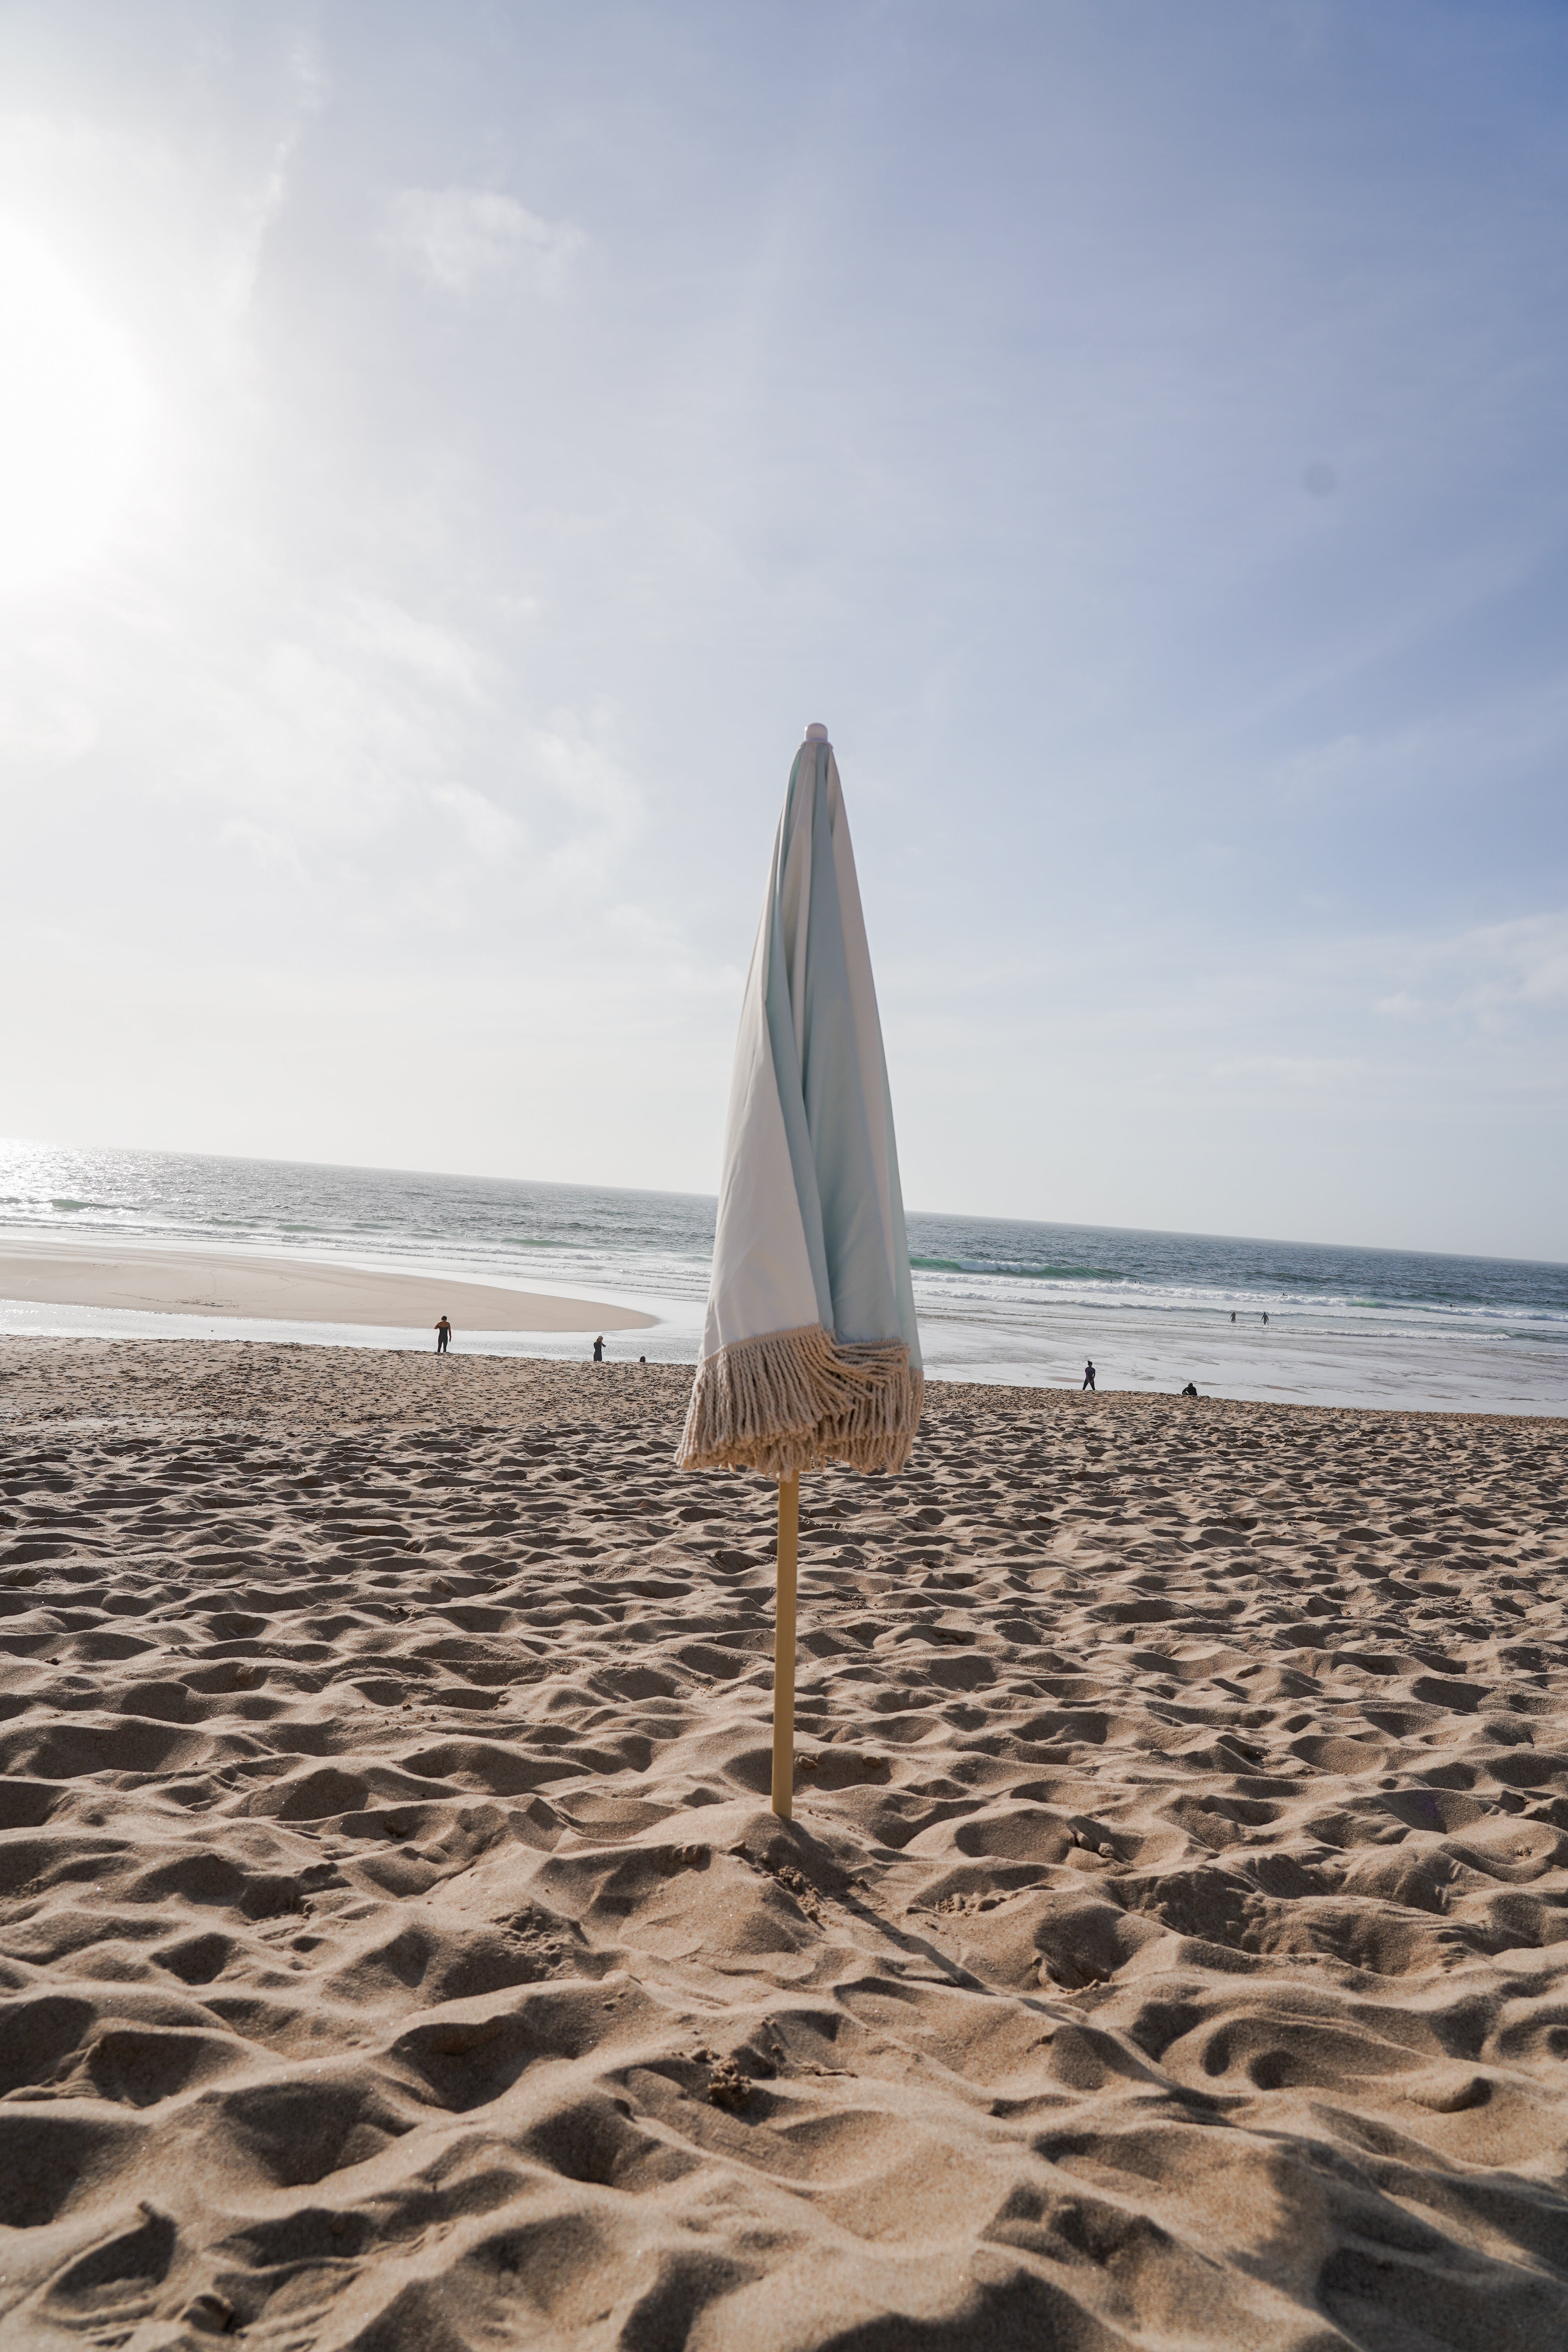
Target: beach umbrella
[{"x": 810, "y": 1350}]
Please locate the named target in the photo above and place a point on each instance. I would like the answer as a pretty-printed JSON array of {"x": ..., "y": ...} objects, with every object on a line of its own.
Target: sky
[{"x": 447, "y": 454}]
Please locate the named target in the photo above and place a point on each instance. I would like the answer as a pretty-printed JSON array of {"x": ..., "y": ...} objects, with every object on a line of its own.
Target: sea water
[{"x": 999, "y": 1299}]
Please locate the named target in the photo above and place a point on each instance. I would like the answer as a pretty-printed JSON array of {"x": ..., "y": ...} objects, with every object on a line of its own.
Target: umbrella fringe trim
[{"x": 798, "y": 1400}]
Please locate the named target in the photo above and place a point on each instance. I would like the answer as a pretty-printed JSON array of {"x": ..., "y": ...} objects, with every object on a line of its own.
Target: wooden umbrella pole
[{"x": 784, "y": 1650}]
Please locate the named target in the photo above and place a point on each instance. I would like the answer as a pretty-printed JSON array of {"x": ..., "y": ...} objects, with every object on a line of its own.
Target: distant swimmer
[
  {"x": 599, "y": 1349},
  {"x": 1233, "y": 1313},
  {"x": 1266, "y": 1318},
  {"x": 1191, "y": 1388},
  {"x": 442, "y": 1336},
  {"x": 1088, "y": 1377}
]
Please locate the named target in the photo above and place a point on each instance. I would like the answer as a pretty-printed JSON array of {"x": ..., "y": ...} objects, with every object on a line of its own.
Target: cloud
[
  {"x": 436, "y": 656},
  {"x": 454, "y": 237},
  {"x": 490, "y": 832},
  {"x": 601, "y": 810},
  {"x": 1491, "y": 970},
  {"x": 46, "y": 712},
  {"x": 309, "y": 90},
  {"x": 1502, "y": 735},
  {"x": 1301, "y": 1072}
]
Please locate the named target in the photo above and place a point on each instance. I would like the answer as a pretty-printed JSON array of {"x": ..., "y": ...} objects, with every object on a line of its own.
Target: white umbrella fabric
[{"x": 810, "y": 1350}]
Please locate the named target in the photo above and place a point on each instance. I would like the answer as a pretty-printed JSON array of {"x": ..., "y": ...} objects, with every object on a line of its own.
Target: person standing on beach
[
  {"x": 599, "y": 1349},
  {"x": 442, "y": 1336},
  {"x": 1088, "y": 1377}
]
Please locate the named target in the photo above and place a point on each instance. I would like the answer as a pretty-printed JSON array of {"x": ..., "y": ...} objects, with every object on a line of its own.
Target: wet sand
[
  {"x": 146, "y": 1279},
  {"x": 1170, "y": 1949}
]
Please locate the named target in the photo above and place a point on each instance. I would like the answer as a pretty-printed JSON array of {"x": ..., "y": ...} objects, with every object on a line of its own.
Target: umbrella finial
[{"x": 816, "y": 732}]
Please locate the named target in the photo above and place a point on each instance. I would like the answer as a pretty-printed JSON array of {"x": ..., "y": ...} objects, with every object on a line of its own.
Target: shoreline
[
  {"x": 306, "y": 1291},
  {"x": 1020, "y": 1303},
  {"x": 128, "y": 1277},
  {"x": 128, "y": 1288}
]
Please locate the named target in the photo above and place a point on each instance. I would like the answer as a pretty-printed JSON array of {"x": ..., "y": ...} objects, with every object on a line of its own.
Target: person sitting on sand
[
  {"x": 442, "y": 1336},
  {"x": 1191, "y": 1388},
  {"x": 599, "y": 1349},
  {"x": 1088, "y": 1377}
]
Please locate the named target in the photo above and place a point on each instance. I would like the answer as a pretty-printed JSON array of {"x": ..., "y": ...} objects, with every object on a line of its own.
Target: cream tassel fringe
[{"x": 797, "y": 1400}]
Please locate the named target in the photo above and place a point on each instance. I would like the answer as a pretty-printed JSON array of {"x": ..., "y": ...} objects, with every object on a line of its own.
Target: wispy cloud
[
  {"x": 1497, "y": 737},
  {"x": 455, "y": 238},
  {"x": 309, "y": 90},
  {"x": 490, "y": 833},
  {"x": 1302, "y": 1073},
  {"x": 1490, "y": 970},
  {"x": 599, "y": 808}
]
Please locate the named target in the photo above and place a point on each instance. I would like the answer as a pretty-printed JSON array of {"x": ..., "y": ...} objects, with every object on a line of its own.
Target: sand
[
  {"x": 1171, "y": 1949},
  {"x": 282, "y": 1290}
]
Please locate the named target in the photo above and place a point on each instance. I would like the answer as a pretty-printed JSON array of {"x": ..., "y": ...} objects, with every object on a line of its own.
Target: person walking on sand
[
  {"x": 599, "y": 1349},
  {"x": 442, "y": 1336},
  {"x": 1088, "y": 1377}
]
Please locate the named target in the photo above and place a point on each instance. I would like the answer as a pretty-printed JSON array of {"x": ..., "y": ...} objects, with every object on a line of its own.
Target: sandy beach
[
  {"x": 1170, "y": 1949},
  {"x": 147, "y": 1279}
]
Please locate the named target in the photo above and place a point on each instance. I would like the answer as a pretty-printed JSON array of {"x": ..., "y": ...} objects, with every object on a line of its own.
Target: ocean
[{"x": 999, "y": 1299}]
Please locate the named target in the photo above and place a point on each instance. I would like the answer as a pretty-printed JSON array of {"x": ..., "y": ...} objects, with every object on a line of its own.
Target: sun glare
[{"x": 74, "y": 413}]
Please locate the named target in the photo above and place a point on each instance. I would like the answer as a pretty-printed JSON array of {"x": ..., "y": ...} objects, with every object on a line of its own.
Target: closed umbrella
[{"x": 810, "y": 1350}]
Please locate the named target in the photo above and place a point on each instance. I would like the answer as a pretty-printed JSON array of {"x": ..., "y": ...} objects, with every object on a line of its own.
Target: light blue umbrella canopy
[{"x": 810, "y": 1350}]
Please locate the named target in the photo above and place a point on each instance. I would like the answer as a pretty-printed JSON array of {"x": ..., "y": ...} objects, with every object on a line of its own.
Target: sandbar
[{"x": 150, "y": 1280}]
